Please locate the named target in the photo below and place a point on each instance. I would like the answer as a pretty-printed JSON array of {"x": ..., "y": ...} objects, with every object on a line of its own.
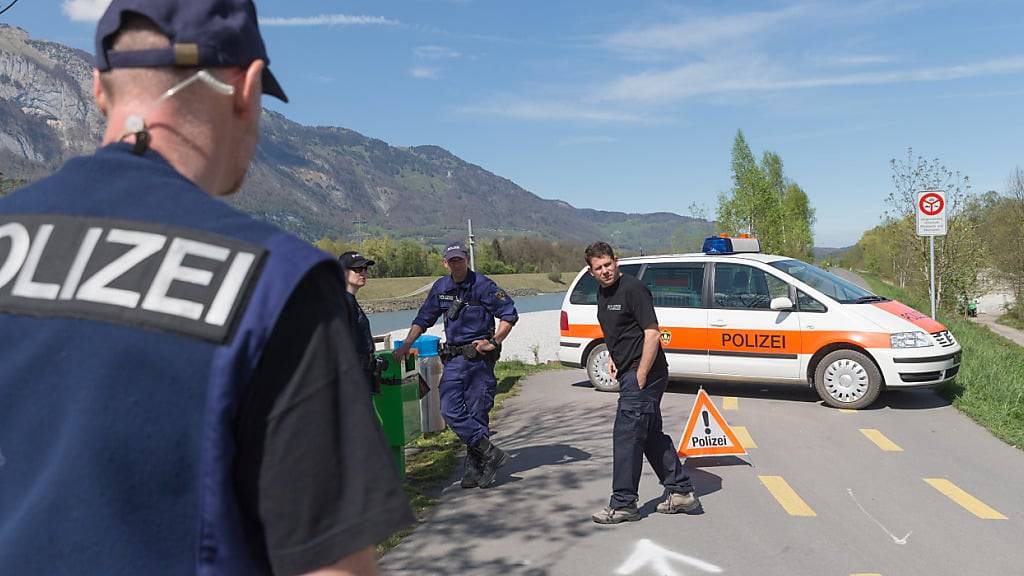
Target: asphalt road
[{"x": 874, "y": 511}]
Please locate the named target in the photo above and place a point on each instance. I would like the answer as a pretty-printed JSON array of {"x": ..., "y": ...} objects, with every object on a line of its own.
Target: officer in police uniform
[
  {"x": 356, "y": 268},
  {"x": 470, "y": 303},
  {"x": 179, "y": 392}
]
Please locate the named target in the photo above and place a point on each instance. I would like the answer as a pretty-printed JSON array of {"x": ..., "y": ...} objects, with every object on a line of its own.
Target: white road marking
[
  {"x": 649, "y": 553},
  {"x": 900, "y": 541}
]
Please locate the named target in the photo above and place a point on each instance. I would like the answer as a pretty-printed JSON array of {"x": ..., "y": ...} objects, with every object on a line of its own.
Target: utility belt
[{"x": 468, "y": 351}]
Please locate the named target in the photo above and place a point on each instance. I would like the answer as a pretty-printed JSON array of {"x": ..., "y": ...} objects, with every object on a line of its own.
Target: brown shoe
[
  {"x": 677, "y": 502},
  {"x": 609, "y": 515}
]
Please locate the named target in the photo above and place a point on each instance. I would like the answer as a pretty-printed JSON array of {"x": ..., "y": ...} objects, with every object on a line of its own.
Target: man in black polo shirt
[{"x": 625, "y": 311}]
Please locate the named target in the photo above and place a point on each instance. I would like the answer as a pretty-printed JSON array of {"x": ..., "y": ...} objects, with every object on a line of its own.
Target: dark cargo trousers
[
  {"x": 467, "y": 391},
  {"x": 637, "y": 434}
]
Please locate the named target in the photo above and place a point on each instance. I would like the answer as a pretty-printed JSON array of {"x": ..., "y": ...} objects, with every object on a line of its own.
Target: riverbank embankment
[{"x": 533, "y": 340}]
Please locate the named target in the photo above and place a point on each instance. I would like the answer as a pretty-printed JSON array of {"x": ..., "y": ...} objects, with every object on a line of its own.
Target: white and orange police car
[{"x": 731, "y": 313}]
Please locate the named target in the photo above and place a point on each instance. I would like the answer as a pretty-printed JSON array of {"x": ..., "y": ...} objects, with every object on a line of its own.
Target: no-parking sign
[{"x": 931, "y": 213}]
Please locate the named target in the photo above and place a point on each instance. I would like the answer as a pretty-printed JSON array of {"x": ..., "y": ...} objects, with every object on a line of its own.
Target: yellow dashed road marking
[
  {"x": 786, "y": 497},
  {"x": 880, "y": 440},
  {"x": 847, "y": 411},
  {"x": 731, "y": 403},
  {"x": 972, "y": 504},
  {"x": 744, "y": 437}
]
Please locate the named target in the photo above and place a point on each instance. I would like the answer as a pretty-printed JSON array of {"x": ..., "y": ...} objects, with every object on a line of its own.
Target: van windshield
[{"x": 840, "y": 290}]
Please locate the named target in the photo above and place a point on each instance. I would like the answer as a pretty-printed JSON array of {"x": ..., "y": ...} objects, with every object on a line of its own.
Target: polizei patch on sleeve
[{"x": 132, "y": 273}]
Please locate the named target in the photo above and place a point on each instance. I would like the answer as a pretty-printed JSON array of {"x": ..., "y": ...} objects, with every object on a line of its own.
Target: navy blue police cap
[
  {"x": 354, "y": 260},
  {"x": 203, "y": 33},
  {"x": 455, "y": 250}
]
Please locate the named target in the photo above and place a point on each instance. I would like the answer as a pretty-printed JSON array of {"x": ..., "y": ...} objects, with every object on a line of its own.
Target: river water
[{"x": 387, "y": 321}]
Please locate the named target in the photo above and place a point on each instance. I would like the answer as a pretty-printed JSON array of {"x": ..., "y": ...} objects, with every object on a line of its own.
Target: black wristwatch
[{"x": 493, "y": 342}]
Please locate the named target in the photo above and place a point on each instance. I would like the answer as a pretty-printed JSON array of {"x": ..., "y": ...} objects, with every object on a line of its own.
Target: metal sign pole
[
  {"x": 472, "y": 244},
  {"x": 930, "y": 212},
  {"x": 931, "y": 285}
]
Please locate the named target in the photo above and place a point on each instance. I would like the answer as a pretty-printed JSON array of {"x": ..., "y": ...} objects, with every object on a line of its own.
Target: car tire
[
  {"x": 847, "y": 379},
  {"x": 597, "y": 369}
]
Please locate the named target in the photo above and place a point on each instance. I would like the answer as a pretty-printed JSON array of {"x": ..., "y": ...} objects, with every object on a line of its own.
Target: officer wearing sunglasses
[{"x": 357, "y": 269}]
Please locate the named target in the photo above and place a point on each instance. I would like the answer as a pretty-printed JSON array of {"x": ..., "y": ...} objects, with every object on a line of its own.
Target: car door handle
[
  {"x": 809, "y": 327},
  {"x": 719, "y": 323}
]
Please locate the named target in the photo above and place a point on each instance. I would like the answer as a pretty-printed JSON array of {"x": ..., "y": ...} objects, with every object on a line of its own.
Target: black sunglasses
[{"x": 361, "y": 269}]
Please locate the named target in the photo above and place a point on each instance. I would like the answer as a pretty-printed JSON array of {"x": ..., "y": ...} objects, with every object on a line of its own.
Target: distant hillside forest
[
  {"x": 400, "y": 258},
  {"x": 763, "y": 202}
]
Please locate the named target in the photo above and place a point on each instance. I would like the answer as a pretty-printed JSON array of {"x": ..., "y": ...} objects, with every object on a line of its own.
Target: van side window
[
  {"x": 675, "y": 285},
  {"x": 585, "y": 291},
  {"x": 741, "y": 286},
  {"x": 807, "y": 303}
]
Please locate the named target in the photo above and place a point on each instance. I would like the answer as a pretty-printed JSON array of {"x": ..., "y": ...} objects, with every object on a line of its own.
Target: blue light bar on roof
[
  {"x": 717, "y": 245},
  {"x": 726, "y": 245}
]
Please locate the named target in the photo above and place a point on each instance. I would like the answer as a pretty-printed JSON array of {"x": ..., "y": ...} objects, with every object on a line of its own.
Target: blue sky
[{"x": 633, "y": 106}]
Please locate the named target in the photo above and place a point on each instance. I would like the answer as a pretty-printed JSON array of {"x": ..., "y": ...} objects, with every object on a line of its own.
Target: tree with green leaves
[
  {"x": 1006, "y": 240},
  {"x": 766, "y": 204},
  {"x": 8, "y": 185}
]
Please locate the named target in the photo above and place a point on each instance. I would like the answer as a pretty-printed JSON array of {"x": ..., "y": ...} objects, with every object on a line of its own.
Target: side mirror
[{"x": 782, "y": 303}]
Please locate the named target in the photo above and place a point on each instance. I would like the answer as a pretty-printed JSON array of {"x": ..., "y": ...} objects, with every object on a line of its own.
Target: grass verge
[
  {"x": 432, "y": 458},
  {"x": 1011, "y": 320},
  {"x": 990, "y": 386}
]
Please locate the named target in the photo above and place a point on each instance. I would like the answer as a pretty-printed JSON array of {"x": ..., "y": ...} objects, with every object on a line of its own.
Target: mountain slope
[{"x": 314, "y": 181}]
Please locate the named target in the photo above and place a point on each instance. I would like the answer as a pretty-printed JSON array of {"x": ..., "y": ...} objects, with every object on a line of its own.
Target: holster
[{"x": 376, "y": 368}]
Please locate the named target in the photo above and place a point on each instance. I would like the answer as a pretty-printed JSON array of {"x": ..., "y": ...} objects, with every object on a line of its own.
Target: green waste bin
[{"x": 398, "y": 404}]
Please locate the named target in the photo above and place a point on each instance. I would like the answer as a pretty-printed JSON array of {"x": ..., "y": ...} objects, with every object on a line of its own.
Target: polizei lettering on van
[
  {"x": 764, "y": 341},
  {"x": 133, "y": 273}
]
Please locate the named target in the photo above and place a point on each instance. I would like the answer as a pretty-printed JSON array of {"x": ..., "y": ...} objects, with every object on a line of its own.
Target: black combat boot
[
  {"x": 491, "y": 459},
  {"x": 471, "y": 477}
]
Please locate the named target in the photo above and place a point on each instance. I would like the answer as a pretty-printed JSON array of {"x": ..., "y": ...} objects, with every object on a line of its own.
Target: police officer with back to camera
[
  {"x": 357, "y": 268},
  {"x": 172, "y": 396},
  {"x": 625, "y": 311},
  {"x": 469, "y": 302}
]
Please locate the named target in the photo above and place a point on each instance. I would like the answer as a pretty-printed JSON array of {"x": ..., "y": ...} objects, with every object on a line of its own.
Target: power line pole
[{"x": 359, "y": 229}]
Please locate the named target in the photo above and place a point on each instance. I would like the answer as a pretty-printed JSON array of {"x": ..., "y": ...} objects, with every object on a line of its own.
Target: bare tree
[
  {"x": 958, "y": 254},
  {"x": 1006, "y": 239}
]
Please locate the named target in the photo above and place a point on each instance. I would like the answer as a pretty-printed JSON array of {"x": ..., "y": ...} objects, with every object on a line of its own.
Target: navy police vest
[{"x": 133, "y": 311}]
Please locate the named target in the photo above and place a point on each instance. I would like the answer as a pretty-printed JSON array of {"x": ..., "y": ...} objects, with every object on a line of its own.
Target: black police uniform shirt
[
  {"x": 363, "y": 336},
  {"x": 157, "y": 348},
  {"x": 623, "y": 310},
  {"x": 482, "y": 301}
]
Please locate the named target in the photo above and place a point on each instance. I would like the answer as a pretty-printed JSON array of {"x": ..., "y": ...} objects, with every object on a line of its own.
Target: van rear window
[{"x": 585, "y": 291}]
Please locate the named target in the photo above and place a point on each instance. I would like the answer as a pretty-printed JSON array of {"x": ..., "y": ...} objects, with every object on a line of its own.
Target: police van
[{"x": 731, "y": 313}]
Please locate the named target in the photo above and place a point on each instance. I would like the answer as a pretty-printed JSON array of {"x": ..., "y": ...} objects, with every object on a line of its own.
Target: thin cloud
[
  {"x": 725, "y": 77},
  {"x": 557, "y": 111},
  {"x": 436, "y": 53},
  {"x": 424, "y": 73},
  {"x": 329, "y": 20},
  {"x": 84, "y": 10},
  {"x": 852, "y": 60},
  {"x": 702, "y": 32},
  {"x": 583, "y": 140}
]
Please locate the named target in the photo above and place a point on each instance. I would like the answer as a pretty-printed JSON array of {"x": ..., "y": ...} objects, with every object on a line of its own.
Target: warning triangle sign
[{"x": 707, "y": 433}]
